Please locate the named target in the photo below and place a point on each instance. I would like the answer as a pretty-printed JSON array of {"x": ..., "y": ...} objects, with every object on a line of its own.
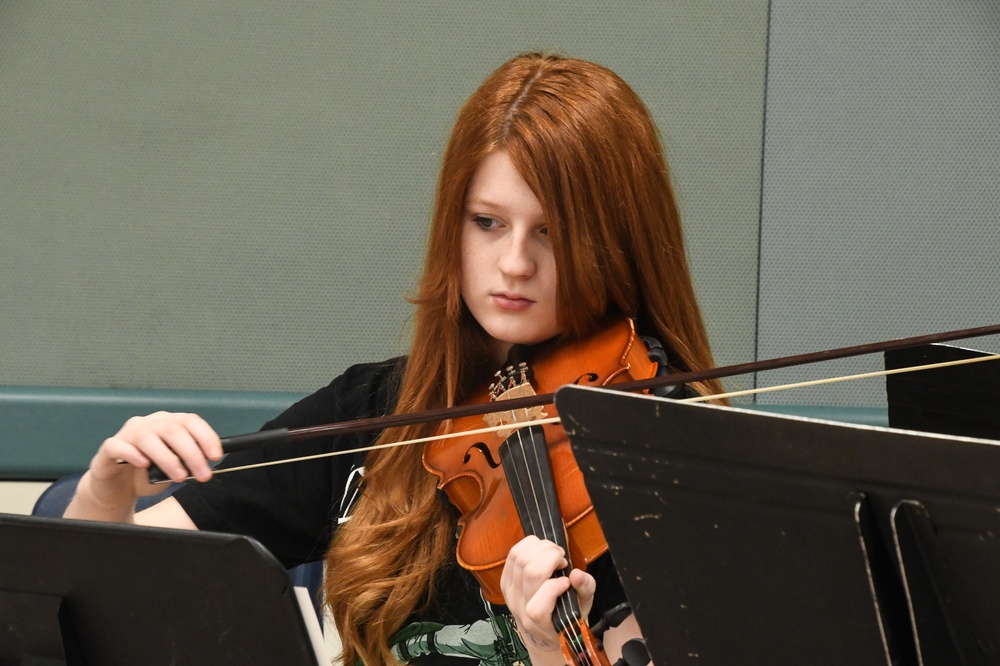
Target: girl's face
[{"x": 508, "y": 269}]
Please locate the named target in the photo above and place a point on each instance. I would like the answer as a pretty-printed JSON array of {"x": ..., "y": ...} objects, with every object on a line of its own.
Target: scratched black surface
[{"x": 736, "y": 539}]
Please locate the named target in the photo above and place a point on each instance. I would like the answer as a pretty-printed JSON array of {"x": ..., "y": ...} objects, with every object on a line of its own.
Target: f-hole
[{"x": 483, "y": 449}]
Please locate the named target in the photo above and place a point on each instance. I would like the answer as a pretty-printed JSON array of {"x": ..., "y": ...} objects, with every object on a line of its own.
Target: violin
[{"x": 523, "y": 480}]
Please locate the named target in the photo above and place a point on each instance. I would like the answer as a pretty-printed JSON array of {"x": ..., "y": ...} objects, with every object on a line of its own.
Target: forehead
[{"x": 496, "y": 181}]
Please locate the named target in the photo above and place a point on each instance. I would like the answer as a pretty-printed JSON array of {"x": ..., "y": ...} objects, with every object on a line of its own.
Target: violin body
[{"x": 469, "y": 468}]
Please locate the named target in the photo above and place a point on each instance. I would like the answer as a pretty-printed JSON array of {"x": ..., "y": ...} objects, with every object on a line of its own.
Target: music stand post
[{"x": 743, "y": 537}]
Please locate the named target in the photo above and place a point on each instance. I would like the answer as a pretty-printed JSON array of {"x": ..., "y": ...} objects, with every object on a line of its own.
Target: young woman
[{"x": 554, "y": 215}]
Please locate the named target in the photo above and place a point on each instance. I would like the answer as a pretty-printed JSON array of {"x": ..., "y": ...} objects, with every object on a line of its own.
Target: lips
[{"x": 512, "y": 302}]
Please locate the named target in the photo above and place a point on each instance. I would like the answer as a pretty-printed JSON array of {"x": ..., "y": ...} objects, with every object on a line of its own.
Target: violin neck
[{"x": 525, "y": 459}]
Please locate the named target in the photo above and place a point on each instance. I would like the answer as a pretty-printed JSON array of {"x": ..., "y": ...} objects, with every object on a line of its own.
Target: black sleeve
[{"x": 292, "y": 508}]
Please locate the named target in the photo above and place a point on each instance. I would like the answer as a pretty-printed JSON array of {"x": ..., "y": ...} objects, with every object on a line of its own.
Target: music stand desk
[
  {"x": 76, "y": 592},
  {"x": 750, "y": 538}
]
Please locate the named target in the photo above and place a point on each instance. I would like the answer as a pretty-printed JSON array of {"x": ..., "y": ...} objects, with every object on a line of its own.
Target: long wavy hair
[{"x": 589, "y": 150}]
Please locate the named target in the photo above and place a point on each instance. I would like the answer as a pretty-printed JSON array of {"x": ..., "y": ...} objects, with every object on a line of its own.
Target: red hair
[{"x": 589, "y": 150}]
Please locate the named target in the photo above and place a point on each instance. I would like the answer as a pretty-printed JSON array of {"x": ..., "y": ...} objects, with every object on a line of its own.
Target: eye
[{"x": 485, "y": 222}]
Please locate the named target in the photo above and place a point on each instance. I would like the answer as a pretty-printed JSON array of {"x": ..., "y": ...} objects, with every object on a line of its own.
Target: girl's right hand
[{"x": 179, "y": 444}]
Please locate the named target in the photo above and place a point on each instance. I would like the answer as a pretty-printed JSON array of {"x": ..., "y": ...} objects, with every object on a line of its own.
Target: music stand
[
  {"x": 957, "y": 400},
  {"x": 751, "y": 538},
  {"x": 75, "y": 592}
]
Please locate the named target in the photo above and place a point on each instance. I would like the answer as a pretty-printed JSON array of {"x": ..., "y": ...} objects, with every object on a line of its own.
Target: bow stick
[{"x": 284, "y": 435}]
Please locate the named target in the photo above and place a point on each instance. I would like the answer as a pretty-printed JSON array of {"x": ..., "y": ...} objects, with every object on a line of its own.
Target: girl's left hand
[{"x": 531, "y": 592}]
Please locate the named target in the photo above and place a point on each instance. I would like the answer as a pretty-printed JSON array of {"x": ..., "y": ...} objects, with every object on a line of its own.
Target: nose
[{"x": 517, "y": 257}]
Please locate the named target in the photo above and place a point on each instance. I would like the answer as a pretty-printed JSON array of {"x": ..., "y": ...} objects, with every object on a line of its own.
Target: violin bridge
[{"x": 516, "y": 416}]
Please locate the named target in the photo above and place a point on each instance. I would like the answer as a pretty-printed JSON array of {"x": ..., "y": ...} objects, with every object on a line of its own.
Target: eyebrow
[{"x": 478, "y": 201}]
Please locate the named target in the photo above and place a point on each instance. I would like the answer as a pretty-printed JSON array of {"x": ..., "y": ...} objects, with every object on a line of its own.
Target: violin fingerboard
[{"x": 525, "y": 459}]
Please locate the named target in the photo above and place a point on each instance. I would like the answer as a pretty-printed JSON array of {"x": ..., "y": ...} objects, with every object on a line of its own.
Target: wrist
[
  {"x": 541, "y": 651},
  {"x": 88, "y": 504}
]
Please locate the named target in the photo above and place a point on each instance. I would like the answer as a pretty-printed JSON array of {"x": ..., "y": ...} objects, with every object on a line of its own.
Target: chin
[{"x": 525, "y": 339}]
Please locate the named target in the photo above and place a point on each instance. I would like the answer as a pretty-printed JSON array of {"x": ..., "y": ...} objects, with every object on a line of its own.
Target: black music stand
[
  {"x": 75, "y": 592},
  {"x": 750, "y": 538},
  {"x": 957, "y": 400}
]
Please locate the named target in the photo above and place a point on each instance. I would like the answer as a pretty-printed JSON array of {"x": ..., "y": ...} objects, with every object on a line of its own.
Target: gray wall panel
[
  {"x": 881, "y": 183},
  {"x": 235, "y": 195}
]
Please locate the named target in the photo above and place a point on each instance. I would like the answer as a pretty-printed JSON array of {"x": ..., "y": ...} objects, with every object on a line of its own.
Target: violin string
[
  {"x": 540, "y": 519},
  {"x": 524, "y": 486},
  {"x": 521, "y": 486},
  {"x": 556, "y": 419},
  {"x": 567, "y": 607},
  {"x": 530, "y": 466}
]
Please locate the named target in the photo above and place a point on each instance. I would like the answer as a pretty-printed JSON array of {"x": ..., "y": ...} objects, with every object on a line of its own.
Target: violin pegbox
[
  {"x": 511, "y": 378},
  {"x": 514, "y": 381}
]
